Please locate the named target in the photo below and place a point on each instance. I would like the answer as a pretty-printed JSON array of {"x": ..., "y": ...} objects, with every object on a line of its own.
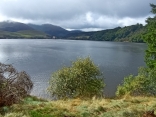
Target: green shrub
[
  {"x": 142, "y": 84},
  {"x": 82, "y": 79}
]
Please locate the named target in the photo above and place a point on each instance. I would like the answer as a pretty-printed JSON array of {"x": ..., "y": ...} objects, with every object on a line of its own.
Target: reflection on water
[{"x": 40, "y": 58}]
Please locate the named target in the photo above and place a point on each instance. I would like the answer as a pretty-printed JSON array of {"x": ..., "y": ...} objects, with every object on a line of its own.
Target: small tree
[
  {"x": 14, "y": 85},
  {"x": 142, "y": 84},
  {"x": 82, "y": 79},
  {"x": 145, "y": 82}
]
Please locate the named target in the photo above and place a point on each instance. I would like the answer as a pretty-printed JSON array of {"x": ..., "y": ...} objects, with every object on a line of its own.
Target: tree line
[{"x": 131, "y": 33}]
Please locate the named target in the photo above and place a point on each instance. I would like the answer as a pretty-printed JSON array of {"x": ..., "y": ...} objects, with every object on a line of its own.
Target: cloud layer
[{"x": 77, "y": 14}]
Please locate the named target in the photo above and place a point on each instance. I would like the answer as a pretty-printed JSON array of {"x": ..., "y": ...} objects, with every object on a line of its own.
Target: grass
[
  {"x": 32, "y": 34},
  {"x": 123, "y": 107},
  {"x": 23, "y": 34}
]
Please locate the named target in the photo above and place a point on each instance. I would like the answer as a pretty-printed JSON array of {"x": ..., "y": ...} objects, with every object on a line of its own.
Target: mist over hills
[
  {"x": 14, "y": 26},
  {"x": 13, "y": 30}
]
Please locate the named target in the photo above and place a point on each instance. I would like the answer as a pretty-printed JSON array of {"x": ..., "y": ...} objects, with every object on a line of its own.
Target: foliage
[
  {"x": 14, "y": 85},
  {"x": 82, "y": 79},
  {"x": 150, "y": 39},
  {"x": 142, "y": 84},
  {"x": 145, "y": 82}
]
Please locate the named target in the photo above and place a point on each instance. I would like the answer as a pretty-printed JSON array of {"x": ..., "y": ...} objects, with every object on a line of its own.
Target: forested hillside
[{"x": 131, "y": 33}]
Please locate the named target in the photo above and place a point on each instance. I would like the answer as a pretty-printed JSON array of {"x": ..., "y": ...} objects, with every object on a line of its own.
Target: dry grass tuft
[{"x": 123, "y": 107}]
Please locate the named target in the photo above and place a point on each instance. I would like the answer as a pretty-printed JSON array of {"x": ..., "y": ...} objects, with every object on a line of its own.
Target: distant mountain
[
  {"x": 50, "y": 29},
  {"x": 9, "y": 29},
  {"x": 14, "y": 26}
]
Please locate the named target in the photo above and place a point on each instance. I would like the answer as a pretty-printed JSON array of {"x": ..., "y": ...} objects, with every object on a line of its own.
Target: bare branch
[{"x": 14, "y": 85}]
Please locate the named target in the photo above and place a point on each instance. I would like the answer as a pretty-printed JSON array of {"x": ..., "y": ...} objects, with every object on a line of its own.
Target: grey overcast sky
[{"x": 77, "y": 14}]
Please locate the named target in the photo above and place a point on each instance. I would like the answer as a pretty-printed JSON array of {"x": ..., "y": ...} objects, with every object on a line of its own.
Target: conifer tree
[{"x": 150, "y": 39}]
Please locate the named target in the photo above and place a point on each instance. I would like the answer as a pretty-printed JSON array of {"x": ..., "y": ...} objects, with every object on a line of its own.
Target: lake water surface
[{"x": 40, "y": 58}]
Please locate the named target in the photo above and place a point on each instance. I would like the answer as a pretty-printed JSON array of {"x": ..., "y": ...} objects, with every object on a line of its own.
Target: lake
[{"x": 40, "y": 58}]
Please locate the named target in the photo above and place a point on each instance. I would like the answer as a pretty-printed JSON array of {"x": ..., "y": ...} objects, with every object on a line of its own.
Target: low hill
[
  {"x": 15, "y": 30},
  {"x": 33, "y": 34},
  {"x": 24, "y": 34}
]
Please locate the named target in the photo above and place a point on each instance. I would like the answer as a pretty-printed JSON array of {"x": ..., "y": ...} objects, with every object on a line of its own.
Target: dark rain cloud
[{"x": 77, "y": 14}]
